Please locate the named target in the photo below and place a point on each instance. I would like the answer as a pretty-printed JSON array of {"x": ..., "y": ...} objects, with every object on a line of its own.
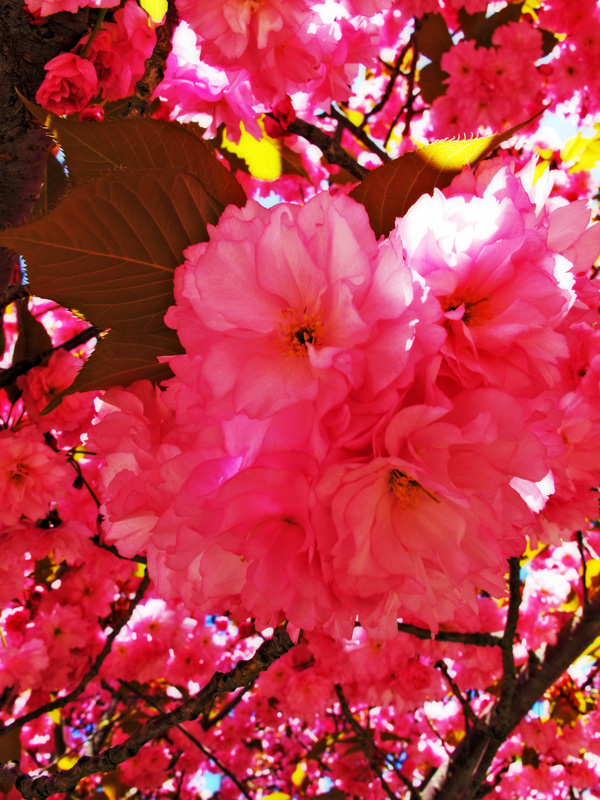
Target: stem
[
  {"x": 358, "y": 133},
  {"x": 584, "y": 588},
  {"x": 94, "y": 31},
  {"x": 478, "y": 639}
]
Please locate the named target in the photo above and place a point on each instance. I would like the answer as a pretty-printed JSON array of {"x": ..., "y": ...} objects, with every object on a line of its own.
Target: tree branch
[
  {"x": 154, "y": 70},
  {"x": 358, "y": 133},
  {"x": 207, "y": 752},
  {"x": 390, "y": 84},
  {"x": 469, "y": 714},
  {"x": 334, "y": 153},
  {"x": 243, "y": 674},
  {"x": 464, "y": 775},
  {"x": 208, "y": 722},
  {"x": 93, "y": 671},
  {"x": 477, "y": 639},
  {"x": 502, "y": 708},
  {"x": 369, "y": 748}
]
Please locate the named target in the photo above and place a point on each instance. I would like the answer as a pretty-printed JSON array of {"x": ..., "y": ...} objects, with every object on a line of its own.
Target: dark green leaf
[
  {"x": 32, "y": 338},
  {"x": 54, "y": 187},
  {"x": 433, "y": 37},
  {"x": 94, "y": 148},
  {"x": 108, "y": 252},
  {"x": 481, "y": 27},
  {"x": 390, "y": 190},
  {"x": 431, "y": 82}
]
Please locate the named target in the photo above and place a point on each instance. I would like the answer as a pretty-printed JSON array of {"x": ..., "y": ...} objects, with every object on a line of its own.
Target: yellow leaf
[
  {"x": 263, "y": 156},
  {"x": 156, "y": 9},
  {"x": 530, "y": 553},
  {"x": 55, "y": 716},
  {"x": 582, "y": 151},
  {"x": 530, "y": 7},
  {"x": 353, "y": 115},
  {"x": 139, "y": 570},
  {"x": 66, "y": 762},
  {"x": 299, "y": 776},
  {"x": 388, "y": 191},
  {"x": 277, "y": 796}
]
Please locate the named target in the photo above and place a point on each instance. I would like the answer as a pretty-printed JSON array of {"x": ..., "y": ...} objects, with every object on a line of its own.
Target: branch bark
[
  {"x": 243, "y": 674},
  {"x": 463, "y": 776}
]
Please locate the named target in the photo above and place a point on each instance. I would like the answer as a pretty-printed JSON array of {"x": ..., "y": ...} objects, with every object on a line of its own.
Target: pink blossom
[
  {"x": 46, "y": 7},
  {"x": 31, "y": 475},
  {"x": 193, "y": 90},
  {"x": 237, "y": 30},
  {"x": 71, "y": 82},
  {"x": 478, "y": 254},
  {"x": 43, "y": 383},
  {"x": 23, "y": 667},
  {"x": 272, "y": 338}
]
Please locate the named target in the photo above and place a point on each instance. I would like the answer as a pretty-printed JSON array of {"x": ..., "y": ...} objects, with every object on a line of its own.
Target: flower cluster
[{"x": 364, "y": 429}]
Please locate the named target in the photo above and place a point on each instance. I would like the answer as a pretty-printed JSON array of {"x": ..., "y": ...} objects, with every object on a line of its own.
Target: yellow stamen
[
  {"x": 407, "y": 489},
  {"x": 298, "y": 330}
]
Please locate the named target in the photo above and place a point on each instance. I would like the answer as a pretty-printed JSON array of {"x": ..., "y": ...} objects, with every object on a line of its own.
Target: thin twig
[
  {"x": 390, "y": 84},
  {"x": 207, "y": 752},
  {"x": 95, "y": 540},
  {"x": 244, "y": 673},
  {"x": 469, "y": 714},
  {"x": 93, "y": 671},
  {"x": 334, "y": 153},
  {"x": 358, "y": 133},
  {"x": 369, "y": 748},
  {"x": 478, "y": 639},
  {"x": 584, "y": 587},
  {"x": 208, "y": 722},
  {"x": 411, "y": 86}
]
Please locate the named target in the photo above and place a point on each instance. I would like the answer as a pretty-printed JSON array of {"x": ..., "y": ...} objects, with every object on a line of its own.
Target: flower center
[
  {"x": 19, "y": 472},
  {"x": 299, "y": 329},
  {"x": 407, "y": 489},
  {"x": 475, "y": 312}
]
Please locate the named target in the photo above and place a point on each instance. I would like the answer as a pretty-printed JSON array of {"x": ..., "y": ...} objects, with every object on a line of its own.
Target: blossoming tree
[{"x": 299, "y": 400}]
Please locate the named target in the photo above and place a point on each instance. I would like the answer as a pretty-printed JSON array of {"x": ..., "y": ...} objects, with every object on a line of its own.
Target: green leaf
[
  {"x": 108, "y": 252},
  {"x": 390, "y": 190},
  {"x": 94, "y": 148},
  {"x": 481, "y": 28},
  {"x": 431, "y": 81},
  {"x": 433, "y": 37}
]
